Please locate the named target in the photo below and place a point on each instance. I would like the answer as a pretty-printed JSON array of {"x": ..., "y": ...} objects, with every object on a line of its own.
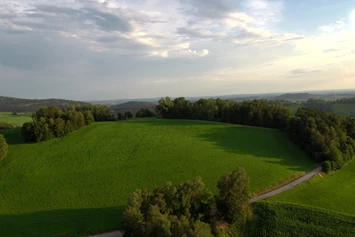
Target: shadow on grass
[
  {"x": 67, "y": 222},
  {"x": 246, "y": 140},
  {"x": 13, "y": 136}
]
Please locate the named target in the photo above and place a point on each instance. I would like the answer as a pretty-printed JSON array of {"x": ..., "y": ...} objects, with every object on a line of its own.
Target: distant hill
[
  {"x": 11, "y": 104},
  {"x": 296, "y": 96},
  {"x": 132, "y": 106}
]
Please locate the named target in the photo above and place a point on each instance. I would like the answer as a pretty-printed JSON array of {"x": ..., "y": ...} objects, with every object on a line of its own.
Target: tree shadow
[
  {"x": 13, "y": 136},
  {"x": 261, "y": 143},
  {"x": 245, "y": 140},
  {"x": 64, "y": 222}
]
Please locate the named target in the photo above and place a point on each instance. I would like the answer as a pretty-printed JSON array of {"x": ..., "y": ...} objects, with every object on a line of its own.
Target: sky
[{"x": 111, "y": 49}]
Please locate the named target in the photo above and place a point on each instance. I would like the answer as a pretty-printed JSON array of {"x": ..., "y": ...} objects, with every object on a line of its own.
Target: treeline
[
  {"x": 10, "y": 104},
  {"x": 326, "y": 137},
  {"x": 252, "y": 113},
  {"x": 52, "y": 122}
]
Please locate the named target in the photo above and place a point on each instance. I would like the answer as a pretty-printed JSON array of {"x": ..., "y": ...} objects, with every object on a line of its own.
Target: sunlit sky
[{"x": 110, "y": 49}]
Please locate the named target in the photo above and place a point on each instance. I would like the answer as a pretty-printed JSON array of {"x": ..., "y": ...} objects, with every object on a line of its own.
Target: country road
[
  {"x": 274, "y": 192},
  {"x": 288, "y": 186}
]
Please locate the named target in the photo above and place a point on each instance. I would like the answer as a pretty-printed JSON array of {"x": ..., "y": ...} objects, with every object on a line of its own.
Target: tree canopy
[
  {"x": 186, "y": 209},
  {"x": 3, "y": 147}
]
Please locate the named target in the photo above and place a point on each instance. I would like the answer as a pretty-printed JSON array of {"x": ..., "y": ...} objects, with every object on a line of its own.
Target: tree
[
  {"x": 119, "y": 116},
  {"x": 128, "y": 115},
  {"x": 3, "y": 147},
  {"x": 171, "y": 210},
  {"x": 233, "y": 198}
]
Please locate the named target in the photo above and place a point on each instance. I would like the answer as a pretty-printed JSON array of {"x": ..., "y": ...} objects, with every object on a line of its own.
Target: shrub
[{"x": 3, "y": 147}]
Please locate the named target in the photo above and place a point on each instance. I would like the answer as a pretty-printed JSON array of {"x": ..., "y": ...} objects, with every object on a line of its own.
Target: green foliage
[
  {"x": 120, "y": 116},
  {"x": 172, "y": 210},
  {"x": 276, "y": 219},
  {"x": 233, "y": 196},
  {"x": 80, "y": 182},
  {"x": 3, "y": 147},
  {"x": 128, "y": 115},
  {"x": 51, "y": 122},
  {"x": 253, "y": 113},
  {"x": 145, "y": 113},
  {"x": 325, "y": 137},
  {"x": 335, "y": 191},
  {"x": 4, "y": 125}
]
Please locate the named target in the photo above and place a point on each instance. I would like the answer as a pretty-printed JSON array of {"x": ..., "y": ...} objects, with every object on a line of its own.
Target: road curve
[
  {"x": 274, "y": 192},
  {"x": 288, "y": 186}
]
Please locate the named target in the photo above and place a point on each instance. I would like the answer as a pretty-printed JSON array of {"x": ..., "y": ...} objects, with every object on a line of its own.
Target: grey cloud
[
  {"x": 211, "y": 8},
  {"x": 303, "y": 71},
  {"x": 191, "y": 33}
]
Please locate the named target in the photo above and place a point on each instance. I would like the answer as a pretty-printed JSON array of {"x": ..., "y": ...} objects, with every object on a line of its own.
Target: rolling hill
[
  {"x": 10, "y": 104},
  {"x": 80, "y": 183}
]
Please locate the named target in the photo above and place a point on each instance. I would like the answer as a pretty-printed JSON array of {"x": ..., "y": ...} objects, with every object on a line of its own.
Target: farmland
[
  {"x": 80, "y": 183},
  {"x": 16, "y": 120},
  {"x": 335, "y": 191},
  {"x": 277, "y": 219}
]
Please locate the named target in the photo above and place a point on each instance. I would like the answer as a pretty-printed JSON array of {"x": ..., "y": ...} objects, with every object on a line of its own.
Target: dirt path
[{"x": 274, "y": 192}]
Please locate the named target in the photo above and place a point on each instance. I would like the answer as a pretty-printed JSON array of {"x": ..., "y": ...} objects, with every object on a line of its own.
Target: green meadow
[
  {"x": 80, "y": 183},
  {"x": 17, "y": 120},
  {"x": 335, "y": 191}
]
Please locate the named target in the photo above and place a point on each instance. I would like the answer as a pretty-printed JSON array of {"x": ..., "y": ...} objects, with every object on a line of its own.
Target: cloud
[
  {"x": 303, "y": 71},
  {"x": 338, "y": 25}
]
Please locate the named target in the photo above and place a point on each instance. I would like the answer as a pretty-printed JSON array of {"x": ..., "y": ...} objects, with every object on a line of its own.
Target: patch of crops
[{"x": 277, "y": 219}]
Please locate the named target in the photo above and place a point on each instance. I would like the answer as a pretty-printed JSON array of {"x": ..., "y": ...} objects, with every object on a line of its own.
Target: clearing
[
  {"x": 17, "y": 120},
  {"x": 80, "y": 183}
]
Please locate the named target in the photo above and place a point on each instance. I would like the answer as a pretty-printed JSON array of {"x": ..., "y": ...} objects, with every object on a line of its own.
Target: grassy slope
[
  {"x": 335, "y": 191},
  {"x": 17, "y": 120},
  {"x": 277, "y": 219},
  {"x": 81, "y": 182}
]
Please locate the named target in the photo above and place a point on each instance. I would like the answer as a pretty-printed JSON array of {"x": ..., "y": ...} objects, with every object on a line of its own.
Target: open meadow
[
  {"x": 80, "y": 183},
  {"x": 16, "y": 120},
  {"x": 335, "y": 191}
]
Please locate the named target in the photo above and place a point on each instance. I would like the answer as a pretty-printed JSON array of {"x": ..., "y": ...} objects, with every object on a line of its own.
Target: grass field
[
  {"x": 81, "y": 182},
  {"x": 344, "y": 109},
  {"x": 335, "y": 191},
  {"x": 283, "y": 220},
  {"x": 17, "y": 120}
]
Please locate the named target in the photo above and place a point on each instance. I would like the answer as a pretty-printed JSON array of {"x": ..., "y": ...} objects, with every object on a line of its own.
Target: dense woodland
[
  {"x": 51, "y": 122},
  {"x": 10, "y": 104},
  {"x": 326, "y": 137}
]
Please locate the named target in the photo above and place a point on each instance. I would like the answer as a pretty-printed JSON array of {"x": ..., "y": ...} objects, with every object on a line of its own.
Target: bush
[{"x": 3, "y": 147}]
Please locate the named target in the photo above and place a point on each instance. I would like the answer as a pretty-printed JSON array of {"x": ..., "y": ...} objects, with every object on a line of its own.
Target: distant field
[
  {"x": 295, "y": 107},
  {"x": 283, "y": 220},
  {"x": 17, "y": 120},
  {"x": 81, "y": 182},
  {"x": 344, "y": 109},
  {"x": 334, "y": 192}
]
